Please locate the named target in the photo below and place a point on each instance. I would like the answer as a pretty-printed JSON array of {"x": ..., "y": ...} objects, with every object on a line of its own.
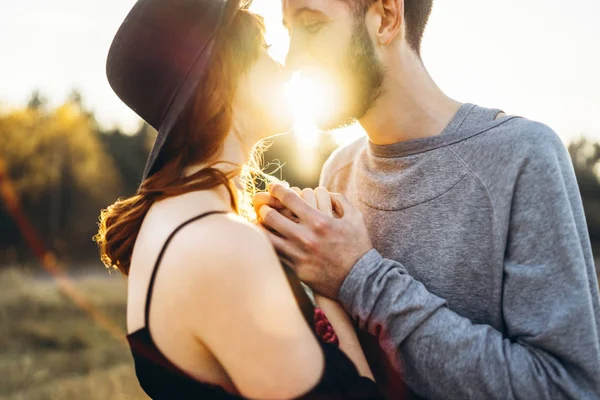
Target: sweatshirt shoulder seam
[
  {"x": 419, "y": 203},
  {"x": 485, "y": 188}
]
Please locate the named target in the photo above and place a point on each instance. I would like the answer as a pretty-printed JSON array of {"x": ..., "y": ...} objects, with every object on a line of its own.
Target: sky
[{"x": 535, "y": 58}]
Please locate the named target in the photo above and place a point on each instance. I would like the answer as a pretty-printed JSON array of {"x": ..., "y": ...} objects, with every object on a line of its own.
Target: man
[{"x": 463, "y": 250}]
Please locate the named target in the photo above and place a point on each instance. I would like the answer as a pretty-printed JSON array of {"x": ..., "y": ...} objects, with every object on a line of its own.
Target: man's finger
[
  {"x": 288, "y": 214},
  {"x": 273, "y": 219},
  {"x": 265, "y": 199},
  {"x": 341, "y": 205},
  {"x": 283, "y": 247},
  {"x": 324, "y": 201},
  {"x": 296, "y": 189},
  {"x": 293, "y": 201},
  {"x": 309, "y": 196}
]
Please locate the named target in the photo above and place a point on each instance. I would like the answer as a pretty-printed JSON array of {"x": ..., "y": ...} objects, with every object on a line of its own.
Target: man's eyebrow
[{"x": 300, "y": 11}]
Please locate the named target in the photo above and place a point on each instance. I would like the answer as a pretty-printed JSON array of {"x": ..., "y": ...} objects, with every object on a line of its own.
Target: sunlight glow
[
  {"x": 530, "y": 78},
  {"x": 299, "y": 94},
  {"x": 348, "y": 134},
  {"x": 305, "y": 96},
  {"x": 305, "y": 104}
]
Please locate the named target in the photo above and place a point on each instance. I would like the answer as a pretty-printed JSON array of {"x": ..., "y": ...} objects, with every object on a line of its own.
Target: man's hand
[{"x": 321, "y": 248}]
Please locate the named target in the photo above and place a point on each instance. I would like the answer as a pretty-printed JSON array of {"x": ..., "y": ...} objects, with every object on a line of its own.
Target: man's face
[{"x": 330, "y": 44}]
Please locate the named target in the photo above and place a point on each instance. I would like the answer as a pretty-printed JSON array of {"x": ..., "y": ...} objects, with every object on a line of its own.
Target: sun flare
[
  {"x": 306, "y": 98},
  {"x": 301, "y": 94}
]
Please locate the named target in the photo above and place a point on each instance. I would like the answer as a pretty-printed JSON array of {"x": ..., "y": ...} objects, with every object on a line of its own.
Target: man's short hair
[{"x": 416, "y": 15}]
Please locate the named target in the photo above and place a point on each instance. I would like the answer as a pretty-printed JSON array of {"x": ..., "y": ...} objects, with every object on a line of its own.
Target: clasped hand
[{"x": 319, "y": 234}]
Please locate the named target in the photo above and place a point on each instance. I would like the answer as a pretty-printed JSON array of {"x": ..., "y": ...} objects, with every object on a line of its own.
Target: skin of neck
[{"x": 412, "y": 106}]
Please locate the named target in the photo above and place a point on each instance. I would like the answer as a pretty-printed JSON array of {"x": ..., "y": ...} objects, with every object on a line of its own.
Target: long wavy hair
[{"x": 198, "y": 136}]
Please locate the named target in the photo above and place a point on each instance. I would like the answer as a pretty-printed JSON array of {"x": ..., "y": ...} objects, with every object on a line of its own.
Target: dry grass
[{"x": 51, "y": 349}]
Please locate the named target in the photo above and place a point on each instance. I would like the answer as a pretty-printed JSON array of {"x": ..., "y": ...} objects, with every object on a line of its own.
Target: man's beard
[{"x": 364, "y": 79}]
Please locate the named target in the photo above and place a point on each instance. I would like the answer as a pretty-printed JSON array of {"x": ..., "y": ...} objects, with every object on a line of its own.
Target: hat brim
[{"x": 189, "y": 85}]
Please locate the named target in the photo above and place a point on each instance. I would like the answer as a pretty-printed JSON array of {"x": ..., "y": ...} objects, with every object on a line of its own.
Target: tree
[
  {"x": 129, "y": 153},
  {"x": 36, "y": 100},
  {"x": 60, "y": 170},
  {"x": 586, "y": 162}
]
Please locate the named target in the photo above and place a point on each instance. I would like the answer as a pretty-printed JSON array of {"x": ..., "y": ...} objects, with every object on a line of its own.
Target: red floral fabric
[{"x": 324, "y": 329}]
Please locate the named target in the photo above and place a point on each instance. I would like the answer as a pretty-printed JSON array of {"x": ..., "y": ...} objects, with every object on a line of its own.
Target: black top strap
[
  {"x": 160, "y": 256},
  {"x": 306, "y": 306}
]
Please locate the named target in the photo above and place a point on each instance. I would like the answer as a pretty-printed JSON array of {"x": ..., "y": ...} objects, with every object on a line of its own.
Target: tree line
[{"x": 65, "y": 168}]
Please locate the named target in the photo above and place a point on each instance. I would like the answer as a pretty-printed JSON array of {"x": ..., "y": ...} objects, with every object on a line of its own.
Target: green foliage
[
  {"x": 64, "y": 171},
  {"x": 129, "y": 153},
  {"x": 586, "y": 161},
  {"x": 36, "y": 100}
]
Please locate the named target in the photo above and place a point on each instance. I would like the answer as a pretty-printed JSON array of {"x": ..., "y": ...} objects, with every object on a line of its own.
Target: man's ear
[{"x": 391, "y": 18}]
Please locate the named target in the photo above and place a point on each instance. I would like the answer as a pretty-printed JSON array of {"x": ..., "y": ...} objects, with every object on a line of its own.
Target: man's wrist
[{"x": 356, "y": 276}]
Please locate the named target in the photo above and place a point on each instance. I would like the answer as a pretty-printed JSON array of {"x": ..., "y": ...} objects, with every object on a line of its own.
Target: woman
[{"x": 211, "y": 312}]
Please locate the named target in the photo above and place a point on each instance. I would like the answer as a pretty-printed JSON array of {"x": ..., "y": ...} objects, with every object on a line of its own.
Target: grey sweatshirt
[{"x": 482, "y": 282}]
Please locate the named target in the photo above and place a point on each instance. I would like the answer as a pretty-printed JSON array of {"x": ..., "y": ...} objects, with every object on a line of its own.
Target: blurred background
[{"x": 69, "y": 147}]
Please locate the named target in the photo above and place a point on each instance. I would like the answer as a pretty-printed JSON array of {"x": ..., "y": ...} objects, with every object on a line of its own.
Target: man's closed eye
[{"x": 315, "y": 27}]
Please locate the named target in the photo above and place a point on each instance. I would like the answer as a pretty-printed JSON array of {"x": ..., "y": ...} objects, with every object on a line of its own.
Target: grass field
[{"x": 51, "y": 349}]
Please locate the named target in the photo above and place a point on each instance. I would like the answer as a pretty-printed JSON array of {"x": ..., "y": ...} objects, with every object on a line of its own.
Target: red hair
[{"x": 197, "y": 138}]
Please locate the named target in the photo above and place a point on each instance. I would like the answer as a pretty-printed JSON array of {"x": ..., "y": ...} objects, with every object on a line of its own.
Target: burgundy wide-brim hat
[{"x": 159, "y": 56}]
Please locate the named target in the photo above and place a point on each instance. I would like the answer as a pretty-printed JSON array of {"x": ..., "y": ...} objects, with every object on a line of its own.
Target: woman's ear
[{"x": 391, "y": 19}]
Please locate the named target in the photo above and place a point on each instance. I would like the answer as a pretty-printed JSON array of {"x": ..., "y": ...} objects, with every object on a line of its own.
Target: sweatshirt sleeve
[{"x": 550, "y": 348}]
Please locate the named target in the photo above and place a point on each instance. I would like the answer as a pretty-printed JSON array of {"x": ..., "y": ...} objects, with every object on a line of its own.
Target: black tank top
[{"x": 161, "y": 379}]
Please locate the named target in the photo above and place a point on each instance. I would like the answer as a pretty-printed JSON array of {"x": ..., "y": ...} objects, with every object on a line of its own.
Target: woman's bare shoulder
[
  {"x": 239, "y": 305},
  {"x": 244, "y": 309},
  {"x": 222, "y": 244}
]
